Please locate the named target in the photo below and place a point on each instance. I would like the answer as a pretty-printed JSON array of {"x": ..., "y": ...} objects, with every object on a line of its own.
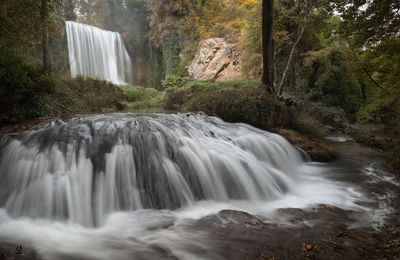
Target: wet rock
[
  {"x": 216, "y": 59},
  {"x": 319, "y": 150},
  {"x": 25, "y": 125},
  {"x": 17, "y": 252}
]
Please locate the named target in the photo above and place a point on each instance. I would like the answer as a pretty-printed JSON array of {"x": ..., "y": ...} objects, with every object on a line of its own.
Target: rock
[
  {"x": 216, "y": 59},
  {"x": 319, "y": 150}
]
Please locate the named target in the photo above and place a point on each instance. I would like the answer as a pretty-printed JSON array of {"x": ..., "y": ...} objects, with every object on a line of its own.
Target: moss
[
  {"x": 140, "y": 97},
  {"x": 233, "y": 101},
  {"x": 84, "y": 95}
]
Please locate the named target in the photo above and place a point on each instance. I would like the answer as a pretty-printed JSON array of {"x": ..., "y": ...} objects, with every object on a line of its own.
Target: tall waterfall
[
  {"x": 86, "y": 168},
  {"x": 98, "y": 53}
]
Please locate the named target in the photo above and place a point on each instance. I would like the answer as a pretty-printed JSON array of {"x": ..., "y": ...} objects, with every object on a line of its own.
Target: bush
[
  {"x": 140, "y": 97},
  {"x": 23, "y": 87},
  {"x": 138, "y": 93},
  {"x": 85, "y": 95},
  {"x": 233, "y": 103},
  {"x": 174, "y": 81}
]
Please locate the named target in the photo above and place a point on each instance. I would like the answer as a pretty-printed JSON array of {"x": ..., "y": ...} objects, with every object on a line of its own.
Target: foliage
[
  {"x": 174, "y": 81},
  {"x": 19, "y": 23},
  {"x": 252, "y": 56},
  {"x": 22, "y": 86},
  {"x": 325, "y": 80},
  {"x": 139, "y": 97},
  {"x": 368, "y": 22},
  {"x": 138, "y": 93},
  {"x": 84, "y": 95},
  {"x": 232, "y": 102},
  {"x": 383, "y": 104}
]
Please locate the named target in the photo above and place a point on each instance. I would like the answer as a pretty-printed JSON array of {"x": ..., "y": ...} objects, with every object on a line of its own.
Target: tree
[
  {"x": 308, "y": 4},
  {"x": 44, "y": 13},
  {"x": 267, "y": 77},
  {"x": 369, "y": 22}
]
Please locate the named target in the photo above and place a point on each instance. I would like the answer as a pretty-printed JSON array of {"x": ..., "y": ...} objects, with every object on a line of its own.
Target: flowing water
[
  {"x": 98, "y": 53},
  {"x": 125, "y": 186}
]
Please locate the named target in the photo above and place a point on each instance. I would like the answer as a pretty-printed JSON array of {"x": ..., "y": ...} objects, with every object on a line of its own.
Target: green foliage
[
  {"x": 174, "y": 81},
  {"x": 171, "y": 50},
  {"x": 140, "y": 97},
  {"x": 84, "y": 95},
  {"x": 19, "y": 23},
  {"x": 369, "y": 22},
  {"x": 22, "y": 86},
  {"x": 232, "y": 101},
  {"x": 324, "y": 80},
  {"x": 383, "y": 104},
  {"x": 138, "y": 93},
  {"x": 252, "y": 56}
]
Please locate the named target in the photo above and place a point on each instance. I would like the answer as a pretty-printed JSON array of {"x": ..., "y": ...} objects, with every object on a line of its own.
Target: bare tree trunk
[
  {"x": 268, "y": 45},
  {"x": 303, "y": 28},
  {"x": 45, "y": 35}
]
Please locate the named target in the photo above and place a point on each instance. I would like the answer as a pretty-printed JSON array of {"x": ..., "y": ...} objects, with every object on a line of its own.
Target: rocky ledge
[
  {"x": 319, "y": 150},
  {"x": 216, "y": 59}
]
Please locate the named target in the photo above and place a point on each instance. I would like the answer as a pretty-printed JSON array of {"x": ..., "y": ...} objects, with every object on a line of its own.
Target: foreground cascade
[
  {"x": 88, "y": 167},
  {"x": 98, "y": 53}
]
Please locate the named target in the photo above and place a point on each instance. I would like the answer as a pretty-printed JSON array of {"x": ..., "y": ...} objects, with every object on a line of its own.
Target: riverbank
[{"x": 303, "y": 125}]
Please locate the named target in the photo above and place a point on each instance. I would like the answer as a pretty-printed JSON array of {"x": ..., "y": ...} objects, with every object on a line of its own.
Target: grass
[
  {"x": 212, "y": 84},
  {"x": 139, "y": 97}
]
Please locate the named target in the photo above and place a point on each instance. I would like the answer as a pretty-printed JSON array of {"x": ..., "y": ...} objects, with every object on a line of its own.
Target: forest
[{"x": 303, "y": 69}]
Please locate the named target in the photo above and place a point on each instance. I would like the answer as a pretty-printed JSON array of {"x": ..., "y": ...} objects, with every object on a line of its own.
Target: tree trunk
[
  {"x": 268, "y": 45},
  {"x": 45, "y": 35}
]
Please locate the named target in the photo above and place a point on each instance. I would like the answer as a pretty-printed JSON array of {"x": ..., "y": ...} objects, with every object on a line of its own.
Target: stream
[{"x": 184, "y": 186}]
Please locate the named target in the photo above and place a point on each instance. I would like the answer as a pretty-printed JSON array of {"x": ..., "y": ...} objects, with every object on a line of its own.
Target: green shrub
[
  {"x": 174, "y": 81},
  {"x": 23, "y": 87},
  {"x": 85, "y": 95},
  {"x": 140, "y": 97},
  {"x": 233, "y": 103}
]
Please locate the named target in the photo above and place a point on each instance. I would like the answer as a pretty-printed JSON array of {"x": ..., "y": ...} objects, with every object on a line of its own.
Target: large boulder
[{"x": 216, "y": 59}]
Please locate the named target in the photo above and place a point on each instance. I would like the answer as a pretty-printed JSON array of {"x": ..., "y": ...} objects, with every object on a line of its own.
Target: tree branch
[{"x": 303, "y": 28}]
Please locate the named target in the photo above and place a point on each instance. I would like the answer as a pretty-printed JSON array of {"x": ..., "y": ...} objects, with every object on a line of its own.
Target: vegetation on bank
[
  {"x": 23, "y": 87},
  {"x": 140, "y": 98},
  {"x": 29, "y": 91},
  {"x": 233, "y": 101}
]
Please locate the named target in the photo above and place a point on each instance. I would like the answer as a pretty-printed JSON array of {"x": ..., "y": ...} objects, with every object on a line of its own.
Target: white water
[
  {"x": 123, "y": 186},
  {"x": 98, "y": 53}
]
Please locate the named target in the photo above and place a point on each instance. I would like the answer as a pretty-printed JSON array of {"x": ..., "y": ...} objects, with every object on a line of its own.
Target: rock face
[{"x": 216, "y": 59}]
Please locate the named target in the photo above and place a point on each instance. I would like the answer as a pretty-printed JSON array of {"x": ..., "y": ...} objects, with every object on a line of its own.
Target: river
[{"x": 182, "y": 186}]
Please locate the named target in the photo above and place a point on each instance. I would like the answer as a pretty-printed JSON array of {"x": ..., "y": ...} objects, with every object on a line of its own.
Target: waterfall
[
  {"x": 86, "y": 168},
  {"x": 98, "y": 53},
  {"x": 153, "y": 186}
]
